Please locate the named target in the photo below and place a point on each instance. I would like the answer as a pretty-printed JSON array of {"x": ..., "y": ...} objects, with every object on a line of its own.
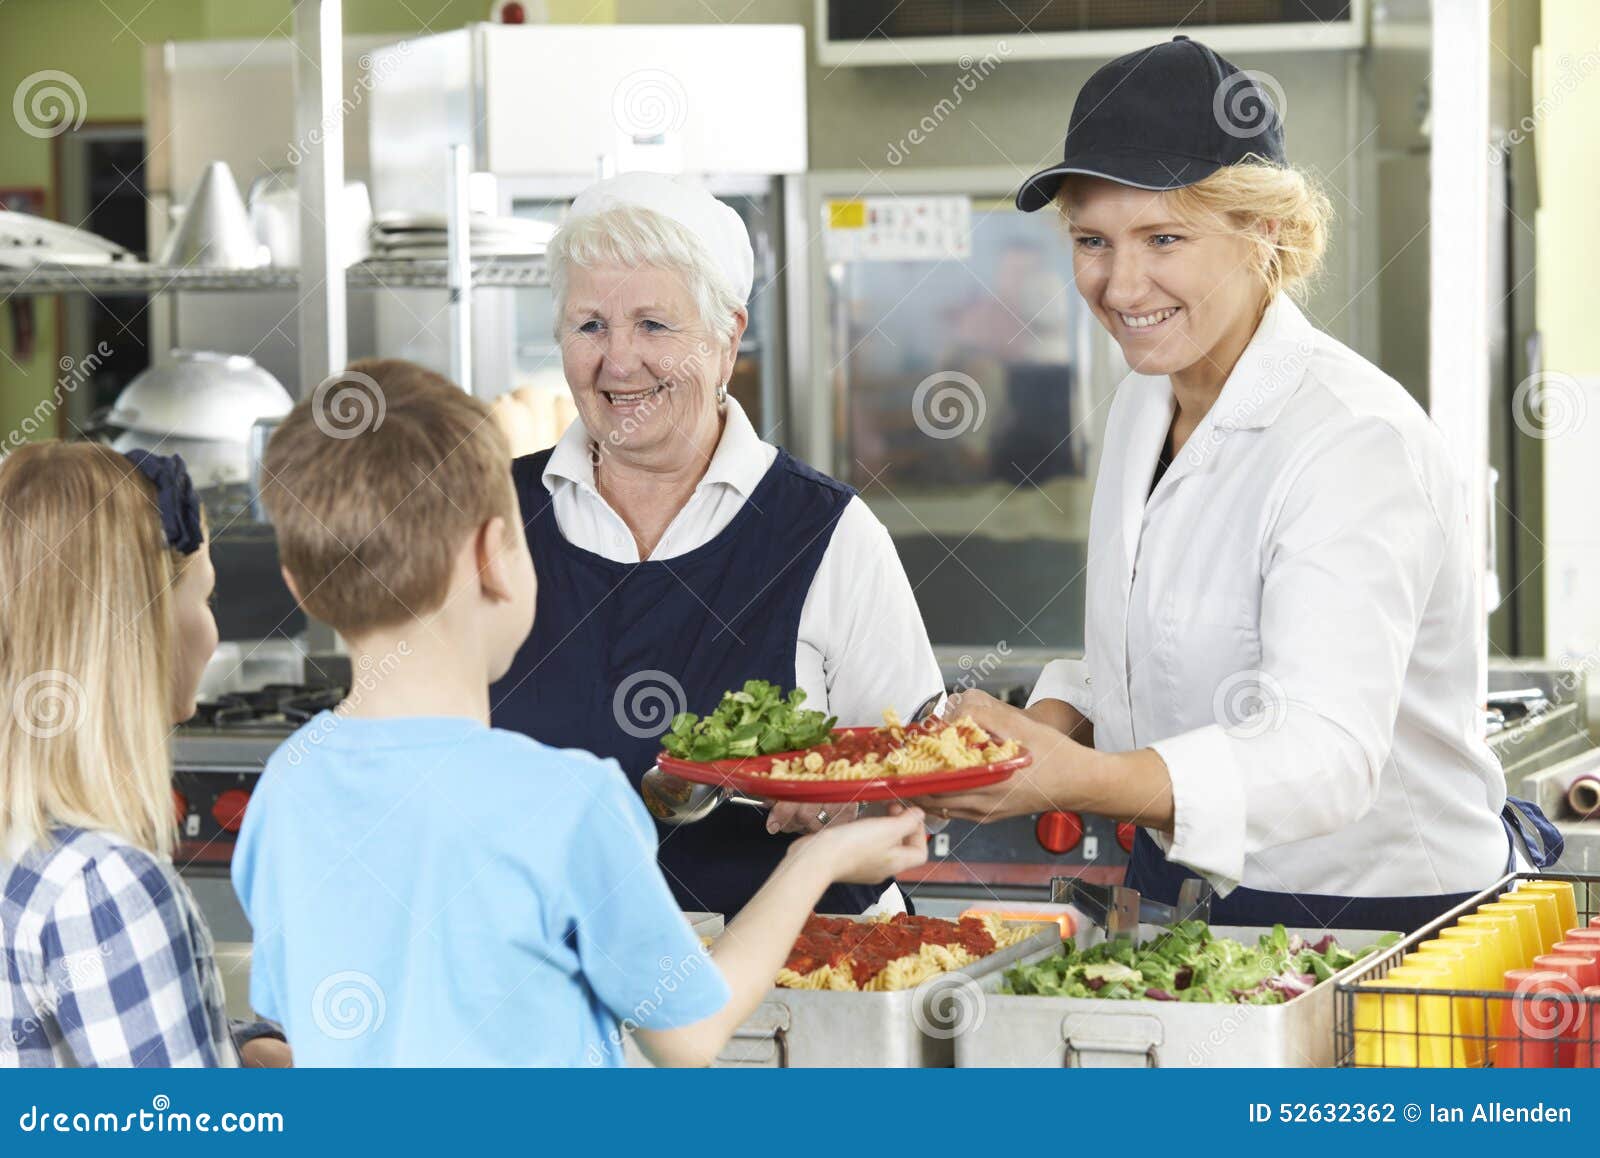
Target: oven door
[{"x": 967, "y": 388}]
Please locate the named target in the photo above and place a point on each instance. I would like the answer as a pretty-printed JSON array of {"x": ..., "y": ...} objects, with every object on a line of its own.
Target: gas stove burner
[{"x": 274, "y": 704}]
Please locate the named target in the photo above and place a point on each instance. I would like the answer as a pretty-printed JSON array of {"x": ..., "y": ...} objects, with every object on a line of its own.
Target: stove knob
[
  {"x": 228, "y": 811},
  {"x": 1125, "y": 834},
  {"x": 1058, "y": 832},
  {"x": 180, "y": 804}
]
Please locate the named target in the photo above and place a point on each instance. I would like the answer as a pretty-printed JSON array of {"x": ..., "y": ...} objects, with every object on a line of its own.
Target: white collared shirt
[
  {"x": 862, "y": 645},
  {"x": 1288, "y": 620}
]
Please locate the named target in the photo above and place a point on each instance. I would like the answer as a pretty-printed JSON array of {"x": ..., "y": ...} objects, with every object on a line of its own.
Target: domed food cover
[
  {"x": 200, "y": 405},
  {"x": 196, "y": 394}
]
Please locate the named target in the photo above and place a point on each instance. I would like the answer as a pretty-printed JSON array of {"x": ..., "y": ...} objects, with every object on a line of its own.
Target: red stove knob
[
  {"x": 229, "y": 809},
  {"x": 1058, "y": 832},
  {"x": 180, "y": 804},
  {"x": 1125, "y": 835}
]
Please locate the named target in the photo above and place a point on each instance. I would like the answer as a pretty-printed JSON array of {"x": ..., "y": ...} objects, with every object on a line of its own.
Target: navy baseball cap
[{"x": 1162, "y": 118}]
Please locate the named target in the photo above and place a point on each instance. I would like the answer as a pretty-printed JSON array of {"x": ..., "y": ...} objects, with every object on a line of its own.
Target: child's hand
[
  {"x": 871, "y": 849},
  {"x": 265, "y": 1053}
]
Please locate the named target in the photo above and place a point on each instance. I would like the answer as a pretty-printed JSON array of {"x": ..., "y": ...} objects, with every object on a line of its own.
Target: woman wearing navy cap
[{"x": 1280, "y": 677}]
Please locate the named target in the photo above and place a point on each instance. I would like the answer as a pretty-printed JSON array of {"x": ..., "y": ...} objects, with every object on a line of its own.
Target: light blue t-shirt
[{"x": 430, "y": 891}]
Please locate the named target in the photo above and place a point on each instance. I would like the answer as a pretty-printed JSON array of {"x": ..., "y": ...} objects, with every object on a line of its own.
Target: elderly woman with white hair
[{"x": 678, "y": 554}]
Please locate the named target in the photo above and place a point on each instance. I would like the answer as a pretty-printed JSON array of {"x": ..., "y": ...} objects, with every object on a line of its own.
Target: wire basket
[{"x": 1380, "y": 1021}]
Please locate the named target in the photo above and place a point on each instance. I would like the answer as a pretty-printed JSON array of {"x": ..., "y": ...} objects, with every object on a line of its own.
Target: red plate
[{"x": 746, "y": 775}]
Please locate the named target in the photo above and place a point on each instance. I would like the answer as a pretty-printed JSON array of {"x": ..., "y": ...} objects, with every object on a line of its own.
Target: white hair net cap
[{"x": 718, "y": 226}]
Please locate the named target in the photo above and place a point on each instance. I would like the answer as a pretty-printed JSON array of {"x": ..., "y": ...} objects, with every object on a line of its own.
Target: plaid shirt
[{"x": 105, "y": 960}]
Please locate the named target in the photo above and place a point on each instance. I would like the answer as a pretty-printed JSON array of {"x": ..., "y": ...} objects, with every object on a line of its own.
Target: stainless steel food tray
[
  {"x": 907, "y": 1028},
  {"x": 1024, "y": 1031},
  {"x": 705, "y": 924}
]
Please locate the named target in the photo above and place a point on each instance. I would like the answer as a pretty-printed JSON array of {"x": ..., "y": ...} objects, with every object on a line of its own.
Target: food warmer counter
[{"x": 916, "y": 1027}]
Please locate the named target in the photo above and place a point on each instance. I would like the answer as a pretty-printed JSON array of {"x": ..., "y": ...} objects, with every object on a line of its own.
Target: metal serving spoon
[{"x": 675, "y": 801}]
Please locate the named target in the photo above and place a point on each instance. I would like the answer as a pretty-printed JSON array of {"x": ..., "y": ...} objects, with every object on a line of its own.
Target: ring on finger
[{"x": 822, "y": 816}]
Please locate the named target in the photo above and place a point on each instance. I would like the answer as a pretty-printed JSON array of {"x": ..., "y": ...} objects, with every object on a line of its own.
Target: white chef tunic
[{"x": 1288, "y": 620}]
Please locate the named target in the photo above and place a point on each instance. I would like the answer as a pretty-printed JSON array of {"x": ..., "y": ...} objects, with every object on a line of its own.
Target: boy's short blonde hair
[{"x": 370, "y": 516}]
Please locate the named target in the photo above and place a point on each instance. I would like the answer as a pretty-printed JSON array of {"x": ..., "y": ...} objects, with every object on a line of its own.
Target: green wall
[{"x": 100, "y": 44}]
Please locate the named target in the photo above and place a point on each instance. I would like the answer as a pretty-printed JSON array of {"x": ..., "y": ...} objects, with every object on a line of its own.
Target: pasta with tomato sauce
[
  {"x": 898, "y": 749},
  {"x": 893, "y": 952}
]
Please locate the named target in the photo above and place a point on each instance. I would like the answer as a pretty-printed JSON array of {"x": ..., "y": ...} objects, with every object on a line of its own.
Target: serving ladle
[{"x": 675, "y": 801}]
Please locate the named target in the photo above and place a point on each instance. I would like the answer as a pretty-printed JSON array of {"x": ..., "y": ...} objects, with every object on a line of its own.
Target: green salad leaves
[
  {"x": 755, "y": 721},
  {"x": 1188, "y": 963}
]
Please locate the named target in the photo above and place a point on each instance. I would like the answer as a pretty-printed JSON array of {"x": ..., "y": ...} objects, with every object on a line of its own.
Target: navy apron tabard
[
  {"x": 1150, "y": 872},
  {"x": 1156, "y": 877},
  {"x": 705, "y": 621}
]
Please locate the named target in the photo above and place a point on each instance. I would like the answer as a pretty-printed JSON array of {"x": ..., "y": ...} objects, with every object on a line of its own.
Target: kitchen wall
[
  {"x": 1560, "y": 402},
  {"x": 100, "y": 45}
]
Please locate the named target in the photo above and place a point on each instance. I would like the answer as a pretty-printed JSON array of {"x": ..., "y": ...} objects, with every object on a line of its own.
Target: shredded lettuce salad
[
  {"x": 1188, "y": 963},
  {"x": 754, "y": 721}
]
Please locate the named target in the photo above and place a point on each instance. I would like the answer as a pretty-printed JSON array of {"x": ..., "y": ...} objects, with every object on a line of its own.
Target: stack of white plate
[{"x": 422, "y": 236}]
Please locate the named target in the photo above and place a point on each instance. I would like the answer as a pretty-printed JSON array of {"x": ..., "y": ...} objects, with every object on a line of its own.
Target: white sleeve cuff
[
  {"x": 1208, "y": 806},
  {"x": 1066, "y": 680}
]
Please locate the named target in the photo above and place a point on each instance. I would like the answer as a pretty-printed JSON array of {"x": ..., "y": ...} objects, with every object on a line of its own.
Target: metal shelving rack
[
  {"x": 376, "y": 274},
  {"x": 138, "y": 278},
  {"x": 321, "y": 282}
]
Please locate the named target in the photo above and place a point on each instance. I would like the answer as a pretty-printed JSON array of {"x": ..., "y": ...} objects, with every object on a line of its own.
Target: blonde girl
[{"x": 105, "y": 628}]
